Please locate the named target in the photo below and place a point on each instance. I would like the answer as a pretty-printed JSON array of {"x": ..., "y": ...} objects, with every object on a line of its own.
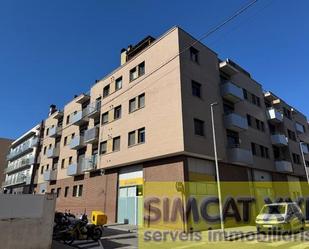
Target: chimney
[
  {"x": 52, "y": 109},
  {"x": 123, "y": 56}
]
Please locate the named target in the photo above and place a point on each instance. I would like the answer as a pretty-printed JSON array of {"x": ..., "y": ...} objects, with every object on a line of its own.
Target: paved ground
[
  {"x": 125, "y": 237},
  {"x": 120, "y": 236}
]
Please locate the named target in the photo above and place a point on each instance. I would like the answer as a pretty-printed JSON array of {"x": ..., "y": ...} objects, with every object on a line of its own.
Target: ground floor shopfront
[{"x": 120, "y": 192}]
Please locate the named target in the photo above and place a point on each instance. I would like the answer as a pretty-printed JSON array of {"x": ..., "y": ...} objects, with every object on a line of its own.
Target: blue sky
[{"x": 51, "y": 50}]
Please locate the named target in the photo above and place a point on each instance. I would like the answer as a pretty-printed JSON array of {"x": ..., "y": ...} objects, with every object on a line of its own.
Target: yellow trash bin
[{"x": 98, "y": 218}]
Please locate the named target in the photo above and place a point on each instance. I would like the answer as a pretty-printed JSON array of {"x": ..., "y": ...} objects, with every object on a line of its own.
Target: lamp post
[
  {"x": 304, "y": 161},
  {"x": 216, "y": 163}
]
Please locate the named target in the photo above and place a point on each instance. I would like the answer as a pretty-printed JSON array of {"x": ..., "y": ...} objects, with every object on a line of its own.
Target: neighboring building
[
  {"x": 149, "y": 120},
  {"x": 4, "y": 148},
  {"x": 22, "y": 160}
]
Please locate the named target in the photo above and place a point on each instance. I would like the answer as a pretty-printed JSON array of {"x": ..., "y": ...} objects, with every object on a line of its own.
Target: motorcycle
[{"x": 77, "y": 229}]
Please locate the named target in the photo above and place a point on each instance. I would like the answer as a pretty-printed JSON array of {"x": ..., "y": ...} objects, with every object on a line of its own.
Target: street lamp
[
  {"x": 216, "y": 163},
  {"x": 303, "y": 157}
]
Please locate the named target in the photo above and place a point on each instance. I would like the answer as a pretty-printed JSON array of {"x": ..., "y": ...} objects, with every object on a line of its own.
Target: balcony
[
  {"x": 53, "y": 152},
  {"x": 240, "y": 156},
  {"x": 283, "y": 166},
  {"x": 14, "y": 166},
  {"x": 20, "y": 179},
  {"x": 274, "y": 116},
  {"x": 235, "y": 122},
  {"x": 279, "y": 140},
  {"x": 228, "y": 67},
  {"x": 81, "y": 117},
  {"x": 50, "y": 175},
  {"x": 91, "y": 135},
  {"x": 22, "y": 149},
  {"x": 90, "y": 164},
  {"x": 93, "y": 109},
  {"x": 55, "y": 131},
  {"x": 74, "y": 169},
  {"x": 231, "y": 92},
  {"x": 77, "y": 142},
  {"x": 305, "y": 148}
]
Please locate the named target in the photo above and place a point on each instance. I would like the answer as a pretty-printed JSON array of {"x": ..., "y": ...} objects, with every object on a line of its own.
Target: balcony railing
[
  {"x": 27, "y": 146},
  {"x": 232, "y": 92},
  {"x": 90, "y": 164},
  {"x": 77, "y": 142},
  {"x": 91, "y": 135},
  {"x": 279, "y": 140},
  {"x": 83, "y": 165},
  {"x": 239, "y": 156},
  {"x": 17, "y": 165},
  {"x": 53, "y": 152},
  {"x": 283, "y": 166},
  {"x": 80, "y": 117},
  {"x": 93, "y": 109},
  {"x": 50, "y": 175},
  {"x": 20, "y": 179},
  {"x": 274, "y": 115},
  {"x": 305, "y": 148},
  {"x": 235, "y": 122},
  {"x": 55, "y": 131}
]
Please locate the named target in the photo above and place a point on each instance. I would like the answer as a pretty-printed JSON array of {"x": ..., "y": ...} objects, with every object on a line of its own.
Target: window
[
  {"x": 257, "y": 123},
  {"x": 58, "y": 192},
  {"x": 137, "y": 71},
  {"x": 232, "y": 139},
  {"x": 47, "y": 167},
  {"x": 262, "y": 126},
  {"x": 131, "y": 138},
  {"x": 141, "y": 100},
  {"x": 194, "y": 54},
  {"x": 103, "y": 147},
  {"x": 73, "y": 135},
  {"x": 141, "y": 135},
  {"x": 245, "y": 93},
  {"x": 42, "y": 170},
  {"x": 296, "y": 158},
  {"x": 132, "y": 105},
  {"x": 253, "y": 148},
  {"x": 118, "y": 83},
  {"x": 249, "y": 121},
  {"x": 65, "y": 141},
  {"x": 287, "y": 113},
  {"x": 141, "y": 69},
  {"x": 291, "y": 135},
  {"x": 52, "y": 190},
  {"x": 196, "y": 89},
  {"x": 70, "y": 160},
  {"x": 47, "y": 131},
  {"x": 68, "y": 119},
  {"x": 117, "y": 112},
  {"x": 253, "y": 99},
  {"x": 116, "y": 144},
  {"x": 66, "y": 191},
  {"x": 300, "y": 128},
  {"x": 106, "y": 91},
  {"x": 62, "y": 163},
  {"x": 74, "y": 194},
  {"x": 44, "y": 151},
  {"x": 80, "y": 190},
  {"x": 133, "y": 74},
  {"x": 198, "y": 127},
  {"x": 262, "y": 151},
  {"x": 105, "y": 118}
]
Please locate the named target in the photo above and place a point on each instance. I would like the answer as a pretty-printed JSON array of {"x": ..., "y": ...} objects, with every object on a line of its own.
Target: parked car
[{"x": 285, "y": 217}]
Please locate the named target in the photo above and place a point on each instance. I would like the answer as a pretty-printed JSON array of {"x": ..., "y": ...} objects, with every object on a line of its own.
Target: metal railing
[{"x": 19, "y": 164}]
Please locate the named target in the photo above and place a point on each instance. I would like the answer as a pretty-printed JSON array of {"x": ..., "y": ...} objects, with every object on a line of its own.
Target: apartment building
[
  {"x": 4, "y": 148},
  {"x": 149, "y": 120},
  {"x": 22, "y": 160}
]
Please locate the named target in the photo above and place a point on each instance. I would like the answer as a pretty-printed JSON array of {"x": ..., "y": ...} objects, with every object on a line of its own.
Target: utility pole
[{"x": 216, "y": 163}]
